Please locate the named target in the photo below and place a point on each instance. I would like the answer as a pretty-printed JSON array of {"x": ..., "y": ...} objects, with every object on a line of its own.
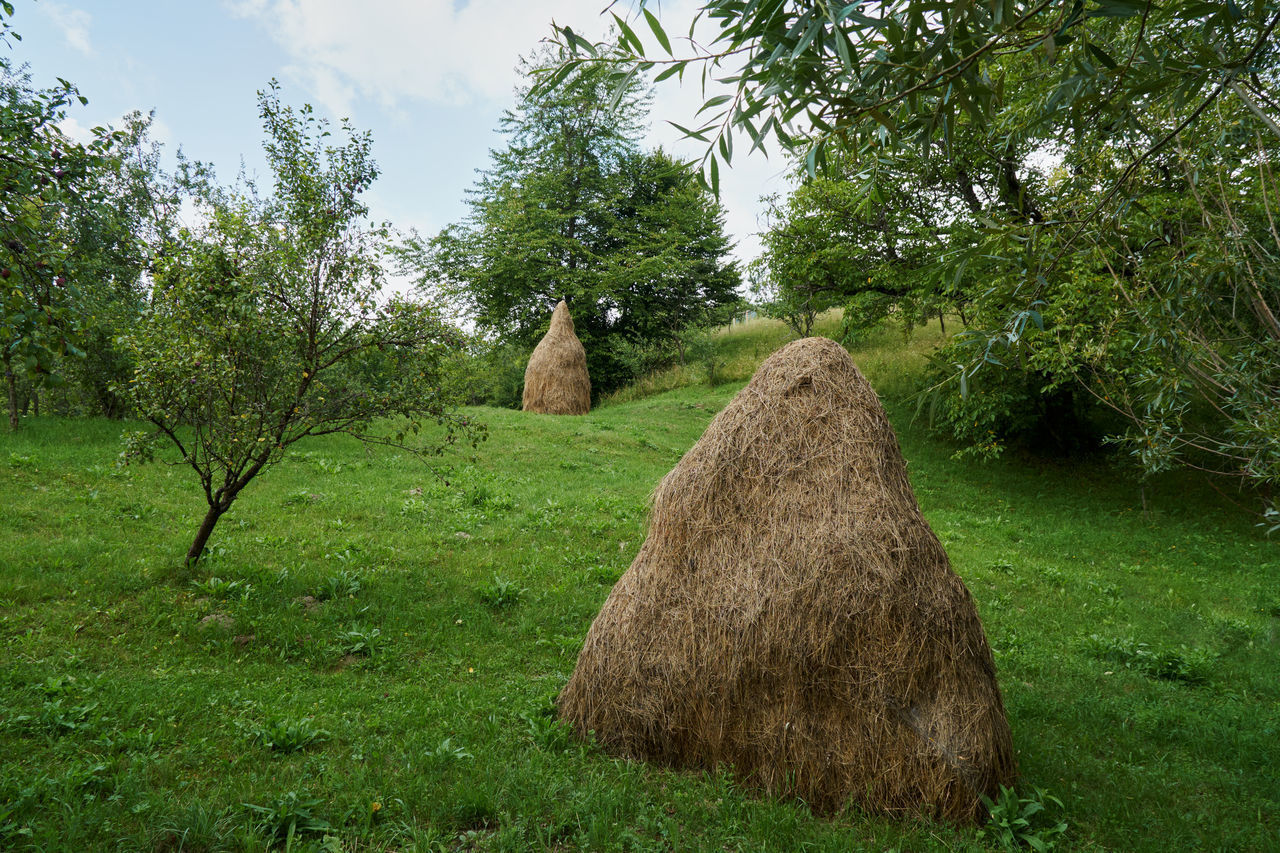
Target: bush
[
  {"x": 490, "y": 374},
  {"x": 1005, "y": 404}
]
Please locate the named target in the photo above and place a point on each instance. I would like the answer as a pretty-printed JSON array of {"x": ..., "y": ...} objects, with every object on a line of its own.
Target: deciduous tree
[
  {"x": 42, "y": 176},
  {"x": 572, "y": 209},
  {"x": 267, "y": 324},
  {"x": 1110, "y": 166}
]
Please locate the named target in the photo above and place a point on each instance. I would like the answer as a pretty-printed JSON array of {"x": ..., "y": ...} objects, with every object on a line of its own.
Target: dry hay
[
  {"x": 792, "y": 614},
  {"x": 556, "y": 381}
]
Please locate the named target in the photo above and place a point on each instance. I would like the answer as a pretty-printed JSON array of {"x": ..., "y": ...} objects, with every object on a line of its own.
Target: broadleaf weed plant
[
  {"x": 289, "y": 816},
  {"x": 360, "y": 639},
  {"x": 501, "y": 593},
  {"x": 284, "y": 734},
  {"x": 343, "y": 584},
  {"x": 1017, "y": 822}
]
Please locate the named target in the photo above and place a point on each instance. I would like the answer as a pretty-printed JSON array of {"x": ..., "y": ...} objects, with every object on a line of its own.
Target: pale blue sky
[{"x": 429, "y": 78}]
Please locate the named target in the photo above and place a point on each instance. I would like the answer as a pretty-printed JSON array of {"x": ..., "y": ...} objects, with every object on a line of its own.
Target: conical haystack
[
  {"x": 556, "y": 381},
  {"x": 791, "y": 614}
]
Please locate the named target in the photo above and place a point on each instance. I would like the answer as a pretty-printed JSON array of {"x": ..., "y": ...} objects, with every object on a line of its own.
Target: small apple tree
[{"x": 266, "y": 326}]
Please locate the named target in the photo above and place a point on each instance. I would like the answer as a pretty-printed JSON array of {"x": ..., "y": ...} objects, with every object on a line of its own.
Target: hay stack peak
[
  {"x": 556, "y": 381},
  {"x": 791, "y": 613}
]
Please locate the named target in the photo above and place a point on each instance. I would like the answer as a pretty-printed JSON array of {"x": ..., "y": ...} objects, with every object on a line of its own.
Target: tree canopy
[
  {"x": 46, "y": 181},
  {"x": 804, "y": 74},
  {"x": 1092, "y": 182},
  {"x": 572, "y": 208},
  {"x": 266, "y": 324}
]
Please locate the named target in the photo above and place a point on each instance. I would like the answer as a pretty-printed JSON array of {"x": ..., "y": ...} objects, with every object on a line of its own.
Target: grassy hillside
[{"x": 370, "y": 651}]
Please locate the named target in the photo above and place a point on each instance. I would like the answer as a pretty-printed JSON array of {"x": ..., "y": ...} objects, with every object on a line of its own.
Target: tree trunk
[
  {"x": 202, "y": 535},
  {"x": 942, "y": 321},
  {"x": 680, "y": 349},
  {"x": 220, "y": 502},
  {"x": 12, "y": 382}
]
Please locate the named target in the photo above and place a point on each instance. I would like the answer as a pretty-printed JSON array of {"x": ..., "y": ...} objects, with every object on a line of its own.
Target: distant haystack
[
  {"x": 556, "y": 381},
  {"x": 792, "y": 614}
]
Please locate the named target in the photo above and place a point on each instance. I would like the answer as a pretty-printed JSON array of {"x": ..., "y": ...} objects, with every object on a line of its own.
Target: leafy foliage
[
  {"x": 127, "y": 209},
  {"x": 343, "y": 584},
  {"x": 360, "y": 639},
  {"x": 287, "y": 734},
  {"x": 447, "y": 753},
  {"x": 501, "y": 593},
  {"x": 290, "y": 815},
  {"x": 44, "y": 176},
  {"x": 1092, "y": 185},
  {"x": 1017, "y": 823},
  {"x": 266, "y": 325},
  {"x": 572, "y": 209},
  {"x": 805, "y": 74},
  {"x": 1190, "y": 666}
]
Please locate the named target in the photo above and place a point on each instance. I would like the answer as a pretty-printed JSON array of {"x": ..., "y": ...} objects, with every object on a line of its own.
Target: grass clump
[
  {"x": 288, "y": 734},
  {"x": 359, "y": 640},
  {"x": 289, "y": 816},
  {"x": 223, "y": 589},
  {"x": 1016, "y": 822},
  {"x": 342, "y": 584},
  {"x": 1190, "y": 666},
  {"x": 501, "y": 593}
]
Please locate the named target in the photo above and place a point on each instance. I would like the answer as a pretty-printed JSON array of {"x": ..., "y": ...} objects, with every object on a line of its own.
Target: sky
[{"x": 428, "y": 78}]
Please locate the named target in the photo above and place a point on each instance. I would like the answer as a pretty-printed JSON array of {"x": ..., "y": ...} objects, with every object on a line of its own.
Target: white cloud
[
  {"x": 397, "y": 52},
  {"x": 75, "y": 130},
  {"x": 74, "y": 24},
  {"x": 435, "y": 50},
  {"x": 161, "y": 131}
]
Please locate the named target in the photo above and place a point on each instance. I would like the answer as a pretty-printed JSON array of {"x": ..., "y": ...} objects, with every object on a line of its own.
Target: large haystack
[
  {"x": 556, "y": 381},
  {"x": 791, "y": 613}
]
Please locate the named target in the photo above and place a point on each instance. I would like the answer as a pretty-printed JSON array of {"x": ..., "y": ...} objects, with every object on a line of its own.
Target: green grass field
[{"x": 367, "y": 659}]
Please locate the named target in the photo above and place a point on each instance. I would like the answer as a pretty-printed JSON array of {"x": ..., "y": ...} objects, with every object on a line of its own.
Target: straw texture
[
  {"x": 556, "y": 381},
  {"x": 791, "y": 614}
]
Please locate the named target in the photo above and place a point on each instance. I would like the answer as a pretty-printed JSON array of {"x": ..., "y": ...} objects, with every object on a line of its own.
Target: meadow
[{"x": 368, "y": 656}]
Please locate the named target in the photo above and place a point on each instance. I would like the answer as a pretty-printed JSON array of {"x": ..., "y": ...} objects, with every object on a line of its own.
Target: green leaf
[
  {"x": 555, "y": 78},
  {"x": 628, "y": 35},
  {"x": 1119, "y": 8},
  {"x": 691, "y": 134},
  {"x": 658, "y": 32},
  {"x": 842, "y": 48},
  {"x": 726, "y": 147},
  {"x": 669, "y": 71},
  {"x": 714, "y": 102},
  {"x": 807, "y": 39},
  {"x": 577, "y": 42},
  {"x": 1035, "y": 842},
  {"x": 889, "y": 124},
  {"x": 1103, "y": 57},
  {"x": 847, "y": 11},
  {"x": 621, "y": 87}
]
